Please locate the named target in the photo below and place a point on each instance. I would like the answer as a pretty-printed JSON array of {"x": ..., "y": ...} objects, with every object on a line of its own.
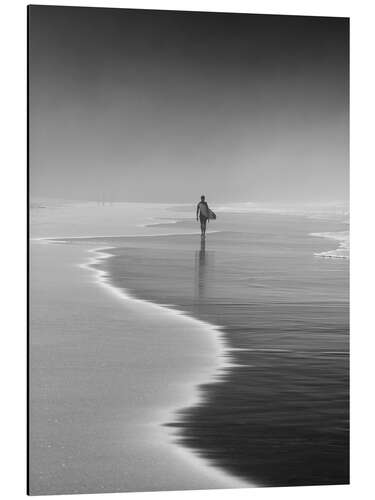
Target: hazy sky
[{"x": 163, "y": 106}]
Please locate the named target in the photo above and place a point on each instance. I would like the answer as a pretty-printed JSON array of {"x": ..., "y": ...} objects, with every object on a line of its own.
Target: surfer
[{"x": 203, "y": 212}]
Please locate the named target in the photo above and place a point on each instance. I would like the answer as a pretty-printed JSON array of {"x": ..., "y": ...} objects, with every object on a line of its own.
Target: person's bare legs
[{"x": 203, "y": 228}]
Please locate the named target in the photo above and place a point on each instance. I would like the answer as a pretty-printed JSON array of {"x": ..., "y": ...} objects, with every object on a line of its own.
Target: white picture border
[{"x": 13, "y": 244}]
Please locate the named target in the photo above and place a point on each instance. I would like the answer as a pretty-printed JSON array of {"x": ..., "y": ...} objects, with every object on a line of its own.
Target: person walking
[{"x": 203, "y": 214}]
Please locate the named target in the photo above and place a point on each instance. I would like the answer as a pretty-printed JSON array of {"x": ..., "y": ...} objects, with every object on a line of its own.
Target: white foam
[
  {"x": 158, "y": 221},
  {"x": 342, "y": 252},
  {"x": 64, "y": 239},
  {"x": 183, "y": 388},
  {"x": 161, "y": 222},
  {"x": 194, "y": 398}
]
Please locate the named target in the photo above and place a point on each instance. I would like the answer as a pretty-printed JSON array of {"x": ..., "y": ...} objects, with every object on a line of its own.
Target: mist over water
[{"x": 153, "y": 106}]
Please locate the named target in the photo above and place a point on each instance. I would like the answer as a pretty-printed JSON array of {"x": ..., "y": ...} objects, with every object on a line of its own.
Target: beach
[
  {"x": 199, "y": 348},
  {"x": 106, "y": 372}
]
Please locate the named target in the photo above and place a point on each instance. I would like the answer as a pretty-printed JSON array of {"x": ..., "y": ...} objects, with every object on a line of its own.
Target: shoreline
[
  {"x": 204, "y": 474},
  {"x": 161, "y": 359},
  {"x": 195, "y": 396},
  {"x": 206, "y": 427},
  {"x": 63, "y": 239}
]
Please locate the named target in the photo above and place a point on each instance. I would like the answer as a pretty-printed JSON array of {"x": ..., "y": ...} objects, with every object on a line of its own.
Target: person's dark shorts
[{"x": 203, "y": 219}]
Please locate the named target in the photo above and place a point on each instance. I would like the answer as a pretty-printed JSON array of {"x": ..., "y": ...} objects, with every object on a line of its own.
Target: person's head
[{"x": 203, "y": 197}]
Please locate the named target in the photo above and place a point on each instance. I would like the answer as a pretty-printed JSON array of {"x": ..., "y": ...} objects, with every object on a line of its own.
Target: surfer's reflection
[{"x": 200, "y": 272}]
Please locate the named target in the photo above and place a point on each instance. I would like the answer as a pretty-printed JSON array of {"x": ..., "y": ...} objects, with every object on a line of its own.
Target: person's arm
[{"x": 198, "y": 206}]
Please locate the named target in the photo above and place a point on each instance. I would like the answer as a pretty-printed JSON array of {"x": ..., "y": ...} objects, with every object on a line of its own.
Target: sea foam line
[
  {"x": 102, "y": 278},
  {"x": 342, "y": 252},
  {"x": 222, "y": 355},
  {"x": 194, "y": 396},
  {"x": 63, "y": 239}
]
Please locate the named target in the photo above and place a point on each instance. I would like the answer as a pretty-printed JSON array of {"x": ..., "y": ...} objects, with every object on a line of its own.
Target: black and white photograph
[{"x": 188, "y": 223}]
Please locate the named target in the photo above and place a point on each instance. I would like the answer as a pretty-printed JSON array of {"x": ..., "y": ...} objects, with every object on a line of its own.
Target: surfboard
[{"x": 211, "y": 214}]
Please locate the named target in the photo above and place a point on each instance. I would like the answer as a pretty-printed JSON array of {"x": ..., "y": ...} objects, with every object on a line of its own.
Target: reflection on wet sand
[
  {"x": 204, "y": 273},
  {"x": 200, "y": 271}
]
